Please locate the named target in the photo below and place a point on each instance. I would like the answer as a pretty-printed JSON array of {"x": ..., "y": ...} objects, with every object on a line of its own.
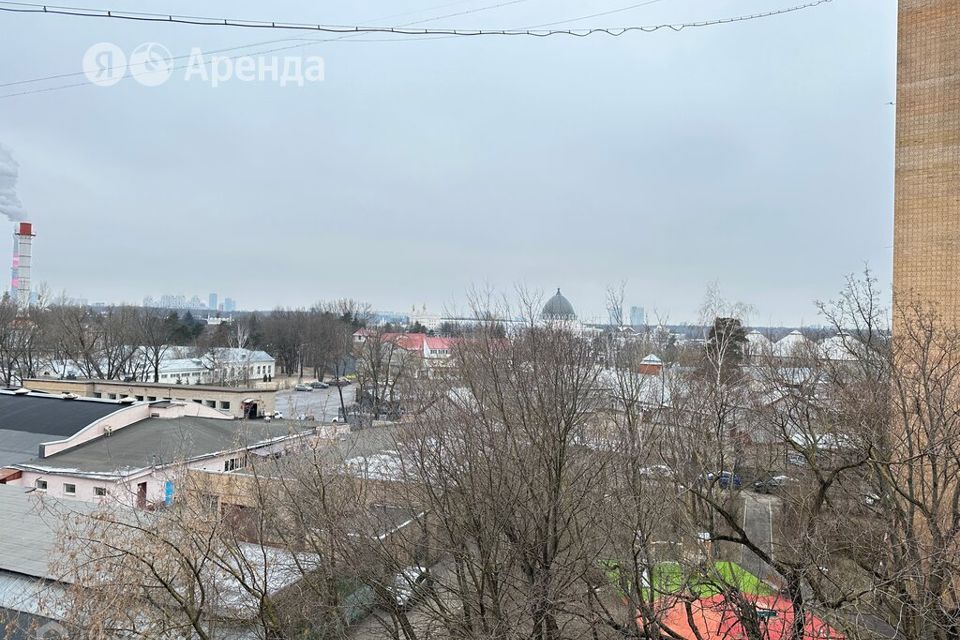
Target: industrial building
[
  {"x": 237, "y": 402},
  {"x": 127, "y": 452}
]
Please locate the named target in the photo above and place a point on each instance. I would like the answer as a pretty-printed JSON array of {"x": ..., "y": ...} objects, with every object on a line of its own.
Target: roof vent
[
  {"x": 127, "y": 400},
  {"x": 21, "y": 392},
  {"x": 70, "y": 396}
]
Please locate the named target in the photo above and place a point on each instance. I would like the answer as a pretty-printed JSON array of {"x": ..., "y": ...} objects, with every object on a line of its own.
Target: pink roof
[{"x": 716, "y": 619}]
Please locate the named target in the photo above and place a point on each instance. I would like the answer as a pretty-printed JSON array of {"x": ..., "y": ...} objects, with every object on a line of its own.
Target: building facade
[
  {"x": 927, "y": 209},
  {"x": 237, "y": 402}
]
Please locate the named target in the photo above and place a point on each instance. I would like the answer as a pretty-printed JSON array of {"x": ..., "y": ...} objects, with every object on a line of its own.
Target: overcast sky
[{"x": 758, "y": 155}]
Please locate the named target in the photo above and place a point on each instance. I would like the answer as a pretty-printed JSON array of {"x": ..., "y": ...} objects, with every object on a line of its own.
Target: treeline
[{"x": 124, "y": 341}]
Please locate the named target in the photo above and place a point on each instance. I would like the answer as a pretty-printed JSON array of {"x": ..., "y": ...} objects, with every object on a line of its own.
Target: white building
[
  {"x": 792, "y": 345},
  {"x": 758, "y": 344},
  {"x": 223, "y": 366},
  {"x": 137, "y": 452}
]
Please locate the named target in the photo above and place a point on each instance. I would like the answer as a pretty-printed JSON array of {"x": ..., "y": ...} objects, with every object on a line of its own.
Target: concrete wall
[{"x": 927, "y": 207}]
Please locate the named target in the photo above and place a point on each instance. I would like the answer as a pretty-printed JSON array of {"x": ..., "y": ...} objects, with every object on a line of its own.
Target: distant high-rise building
[
  {"x": 229, "y": 305},
  {"x": 212, "y": 302},
  {"x": 638, "y": 317},
  {"x": 926, "y": 236}
]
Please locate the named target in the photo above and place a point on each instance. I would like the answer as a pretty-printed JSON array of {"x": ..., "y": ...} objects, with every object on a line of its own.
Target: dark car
[
  {"x": 319, "y": 385},
  {"x": 725, "y": 479},
  {"x": 303, "y": 387}
]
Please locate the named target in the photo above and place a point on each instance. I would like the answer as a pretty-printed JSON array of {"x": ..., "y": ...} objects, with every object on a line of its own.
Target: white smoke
[{"x": 10, "y": 204}]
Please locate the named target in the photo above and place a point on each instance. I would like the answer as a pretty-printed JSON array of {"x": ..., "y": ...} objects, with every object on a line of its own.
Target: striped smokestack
[{"x": 22, "y": 258}]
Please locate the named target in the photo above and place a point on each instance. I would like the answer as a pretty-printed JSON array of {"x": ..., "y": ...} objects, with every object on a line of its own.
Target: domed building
[{"x": 558, "y": 309}]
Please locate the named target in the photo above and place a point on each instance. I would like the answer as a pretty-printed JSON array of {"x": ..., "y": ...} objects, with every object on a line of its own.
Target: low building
[
  {"x": 29, "y": 419},
  {"x": 223, "y": 366},
  {"x": 135, "y": 456},
  {"x": 238, "y": 402},
  {"x": 181, "y": 365},
  {"x": 433, "y": 352}
]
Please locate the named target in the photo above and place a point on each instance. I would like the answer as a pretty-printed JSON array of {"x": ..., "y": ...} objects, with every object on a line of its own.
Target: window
[
  {"x": 224, "y": 405},
  {"x": 151, "y": 398},
  {"x": 212, "y": 403},
  {"x": 100, "y": 491},
  {"x": 233, "y": 464},
  {"x": 139, "y": 398},
  {"x": 70, "y": 489},
  {"x": 112, "y": 396},
  {"x": 41, "y": 485},
  {"x": 97, "y": 394}
]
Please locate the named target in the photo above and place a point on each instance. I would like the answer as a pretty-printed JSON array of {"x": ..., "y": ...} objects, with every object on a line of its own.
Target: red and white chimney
[{"x": 20, "y": 271}]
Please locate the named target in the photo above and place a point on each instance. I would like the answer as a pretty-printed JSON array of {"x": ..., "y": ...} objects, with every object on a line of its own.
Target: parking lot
[{"x": 319, "y": 404}]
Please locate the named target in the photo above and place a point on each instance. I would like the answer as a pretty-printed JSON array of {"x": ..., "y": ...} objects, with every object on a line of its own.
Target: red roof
[
  {"x": 716, "y": 619},
  {"x": 407, "y": 341},
  {"x": 439, "y": 343},
  {"x": 410, "y": 341}
]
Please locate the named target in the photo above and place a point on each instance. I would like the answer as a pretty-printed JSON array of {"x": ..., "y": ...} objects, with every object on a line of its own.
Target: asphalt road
[
  {"x": 758, "y": 525},
  {"x": 319, "y": 404}
]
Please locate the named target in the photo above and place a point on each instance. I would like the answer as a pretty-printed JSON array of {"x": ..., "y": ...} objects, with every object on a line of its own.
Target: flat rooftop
[
  {"x": 159, "y": 441},
  {"x": 28, "y": 420},
  {"x": 29, "y": 541}
]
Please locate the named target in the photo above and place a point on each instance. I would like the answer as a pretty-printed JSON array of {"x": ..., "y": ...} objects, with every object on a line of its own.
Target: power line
[
  {"x": 305, "y": 42},
  {"x": 25, "y": 7}
]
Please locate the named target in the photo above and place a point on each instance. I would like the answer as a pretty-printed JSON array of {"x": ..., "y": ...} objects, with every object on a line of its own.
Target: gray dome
[{"x": 558, "y": 308}]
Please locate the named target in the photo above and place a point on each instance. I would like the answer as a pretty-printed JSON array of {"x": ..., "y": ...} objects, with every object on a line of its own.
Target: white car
[
  {"x": 409, "y": 585},
  {"x": 657, "y": 471}
]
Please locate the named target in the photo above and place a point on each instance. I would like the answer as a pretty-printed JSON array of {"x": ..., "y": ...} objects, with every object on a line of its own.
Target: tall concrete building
[{"x": 927, "y": 209}]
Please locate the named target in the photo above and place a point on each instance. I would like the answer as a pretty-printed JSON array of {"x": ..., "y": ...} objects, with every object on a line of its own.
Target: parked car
[
  {"x": 797, "y": 459},
  {"x": 408, "y": 586},
  {"x": 656, "y": 471},
  {"x": 277, "y": 415},
  {"x": 303, "y": 387},
  {"x": 340, "y": 382},
  {"x": 773, "y": 483},
  {"x": 319, "y": 384},
  {"x": 725, "y": 479}
]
